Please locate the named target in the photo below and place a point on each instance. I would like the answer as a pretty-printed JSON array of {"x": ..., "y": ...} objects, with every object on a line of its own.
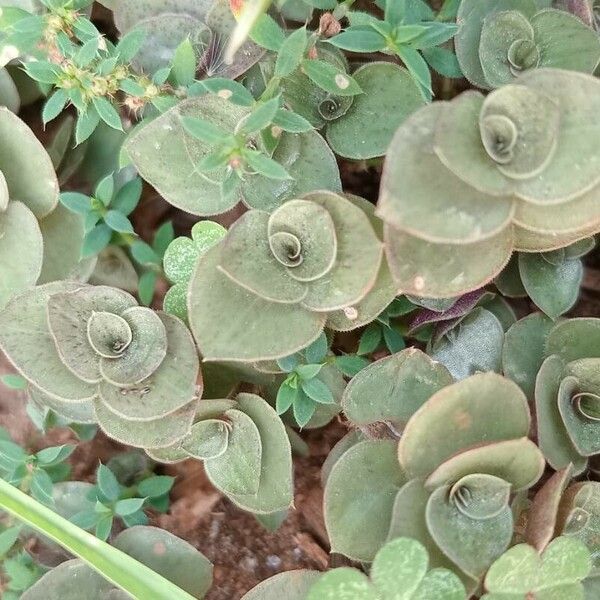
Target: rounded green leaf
[
  {"x": 57, "y": 584},
  {"x": 483, "y": 408},
  {"x": 399, "y": 568},
  {"x": 310, "y": 163},
  {"x": 366, "y": 129},
  {"x": 573, "y": 339},
  {"x": 524, "y": 349},
  {"x": 533, "y": 118},
  {"x": 163, "y": 35},
  {"x": 302, "y": 238},
  {"x": 166, "y": 155},
  {"x": 74, "y": 411},
  {"x": 382, "y": 293},
  {"x": 63, "y": 233},
  {"x": 503, "y": 34},
  {"x": 160, "y": 433},
  {"x": 270, "y": 330},
  {"x": 470, "y": 18},
  {"x": 408, "y": 520},
  {"x": 553, "y": 287},
  {"x": 518, "y": 462},
  {"x": 129, "y": 12},
  {"x": 471, "y": 346},
  {"x": 26, "y": 166},
  {"x": 521, "y": 570},
  {"x": 252, "y": 258},
  {"x": 579, "y": 516},
  {"x": 68, "y": 316},
  {"x": 9, "y": 93},
  {"x": 21, "y": 251},
  {"x": 443, "y": 208},
  {"x": 576, "y": 154},
  {"x": 169, "y": 556},
  {"x": 553, "y": 439},
  {"x": 359, "y": 496},
  {"x": 238, "y": 469},
  {"x": 393, "y": 388},
  {"x": 207, "y": 439},
  {"x": 344, "y": 583},
  {"x": 26, "y": 340},
  {"x": 275, "y": 491},
  {"x": 471, "y": 543},
  {"x": 565, "y": 42},
  {"x": 438, "y": 270},
  {"x": 359, "y": 254}
]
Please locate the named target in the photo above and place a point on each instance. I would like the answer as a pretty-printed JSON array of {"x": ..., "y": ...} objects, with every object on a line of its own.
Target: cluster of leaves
[
  {"x": 302, "y": 389},
  {"x": 105, "y": 212},
  {"x": 411, "y": 31},
  {"x": 34, "y": 473},
  {"x": 111, "y": 501}
]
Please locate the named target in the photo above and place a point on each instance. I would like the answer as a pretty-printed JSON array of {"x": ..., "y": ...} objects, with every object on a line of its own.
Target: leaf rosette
[
  {"x": 265, "y": 291},
  {"x": 468, "y": 182},
  {"x": 461, "y": 455},
  {"x": 500, "y": 39},
  {"x": 93, "y": 355},
  {"x": 567, "y": 394},
  {"x": 558, "y": 365},
  {"x": 245, "y": 450},
  {"x": 39, "y": 240}
]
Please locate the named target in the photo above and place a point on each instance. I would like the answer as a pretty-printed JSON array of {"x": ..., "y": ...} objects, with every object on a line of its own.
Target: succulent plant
[
  {"x": 39, "y": 240},
  {"x": 469, "y": 478},
  {"x": 399, "y": 571},
  {"x": 559, "y": 365},
  {"x": 378, "y": 401},
  {"x": 451, "y": 494},
  {"x": 468, "y": 182},
  {"x": 164, "y": 553},
  {"x": 264, "y": 292},
  {"x": 499, "y": 39},
  {"x": 245, "y": 450},
  {"x": 521, "y": 573},
  {"x": 167, "y": 156},
  {"x": 131, "y": 370}
]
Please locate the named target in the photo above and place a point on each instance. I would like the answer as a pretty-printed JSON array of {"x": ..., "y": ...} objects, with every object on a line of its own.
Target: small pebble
[{"x": 273, "y": 561}]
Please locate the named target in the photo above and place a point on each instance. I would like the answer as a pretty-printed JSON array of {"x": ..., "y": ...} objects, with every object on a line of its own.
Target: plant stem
[{"x": 117, "y": 567}]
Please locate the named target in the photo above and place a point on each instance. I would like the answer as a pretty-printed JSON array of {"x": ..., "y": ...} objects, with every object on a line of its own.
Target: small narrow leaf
[
  {"x": 330, "y": 78},
  {"x": 107, "y": 112},
  {"x": 290, "y": 53},
  {"x": 204, "y": 130}
]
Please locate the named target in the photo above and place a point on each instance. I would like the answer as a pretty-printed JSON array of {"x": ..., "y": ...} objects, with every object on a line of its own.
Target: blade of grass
[{"x": 117, "y": 567}]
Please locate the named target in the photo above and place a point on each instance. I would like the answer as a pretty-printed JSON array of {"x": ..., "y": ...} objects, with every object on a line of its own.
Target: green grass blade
[{"x": 117, "y": 567}]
